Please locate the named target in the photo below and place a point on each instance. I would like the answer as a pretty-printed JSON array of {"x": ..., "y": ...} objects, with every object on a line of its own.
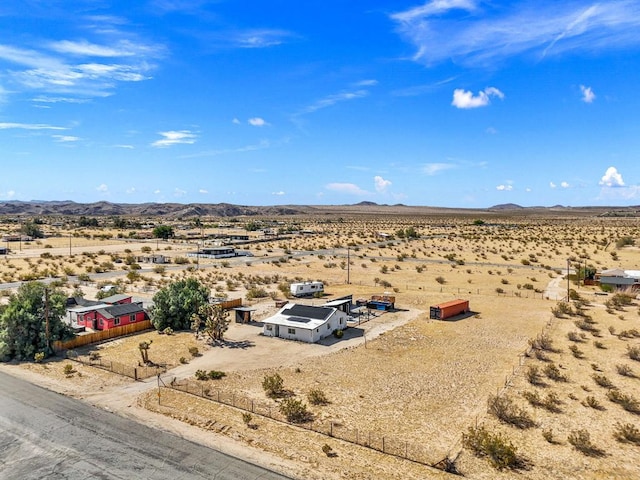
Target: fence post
[
  {"x": 135, "y": 373},
  {"x": 251, "y": 406},
  {"x": 202, "y": 390},
  {"x": 331, "y": 429},
  {"x": 383, "y": 445}
]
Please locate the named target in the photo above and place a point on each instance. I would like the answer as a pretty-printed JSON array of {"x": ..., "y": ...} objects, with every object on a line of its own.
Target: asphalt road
[{"x": 44, "y": 435}]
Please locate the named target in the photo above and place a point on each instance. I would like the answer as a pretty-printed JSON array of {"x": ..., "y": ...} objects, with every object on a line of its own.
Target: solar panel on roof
[{"x": 299, "y": 319}]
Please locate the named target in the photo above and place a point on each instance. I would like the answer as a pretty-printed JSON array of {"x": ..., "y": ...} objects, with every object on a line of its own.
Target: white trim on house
[{"x": 304, "y": 323}]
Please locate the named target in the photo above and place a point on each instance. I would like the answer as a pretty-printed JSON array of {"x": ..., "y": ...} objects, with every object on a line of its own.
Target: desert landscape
[{"x": 545, "y": 366}]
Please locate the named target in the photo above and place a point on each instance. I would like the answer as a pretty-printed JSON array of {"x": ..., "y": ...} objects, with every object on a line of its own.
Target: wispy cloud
[
  {"x": 203, "y": 191},
  {"x": 422, "y": 89},
  {"x": 214, "y": 153},
  {"x": 505, "y": 187},
  {"x": 178, "y": 192},
  {"x": 65, "y": 70},
  {"x": 435, "y": 168},
  {"x": 464, "y": 99},
  {"x": 480, "y": 33},
  {"x": 103, "y": 188},
  {"x": 612, "y": 178},
  {"x": 331, "y": 100},
  {"x": 9, "y": 194},
  {"x": 29, "y": 126},
  {"x": 174, "y": 137},
  {"x": 258, "y": 38},
  {"x": 279, "y": 194},
  {"x": 65, "y": 138},
  {"x": 587, "y": 94},
  {"x": 348, "y": 188}
]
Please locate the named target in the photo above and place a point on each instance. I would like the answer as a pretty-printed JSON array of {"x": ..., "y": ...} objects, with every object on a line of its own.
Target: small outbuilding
[{"x": 445, "y": 310}]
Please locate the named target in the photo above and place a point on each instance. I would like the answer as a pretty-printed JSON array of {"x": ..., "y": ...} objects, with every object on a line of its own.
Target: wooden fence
[
  {"x": 387, "y": 444},
  {"x": 100, "y": 336}
]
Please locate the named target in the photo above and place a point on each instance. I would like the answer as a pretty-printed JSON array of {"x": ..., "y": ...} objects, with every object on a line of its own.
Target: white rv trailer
[{"x": 304, "y": 289}]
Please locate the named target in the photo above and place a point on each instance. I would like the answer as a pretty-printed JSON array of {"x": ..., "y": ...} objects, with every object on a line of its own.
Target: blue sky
[{"x": 455, "y": 103}]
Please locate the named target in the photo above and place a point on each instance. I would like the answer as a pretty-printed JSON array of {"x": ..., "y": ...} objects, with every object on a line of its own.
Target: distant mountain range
[{"x": 180, "y": 210}]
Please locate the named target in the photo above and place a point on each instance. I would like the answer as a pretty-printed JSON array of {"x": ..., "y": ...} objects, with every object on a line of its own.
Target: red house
[{"x": 104, "y": 317}]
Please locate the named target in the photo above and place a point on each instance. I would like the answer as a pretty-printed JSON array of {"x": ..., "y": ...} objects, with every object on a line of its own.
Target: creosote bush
[
  {"x": 553, "y": 372},
  {"x": 602, "y": 380},
  {"x": 317, "y": 397},
  {"x": 627, "y": 433},
  {"x": 499, "y": 450},
  {"x": 533, "y": 375},
  {"x": 629, "y": 403},
  {"x": 505, "y": 410},
  {"x": 294, "y": 410},
  {"x": 273, "y": 385},
  {"x": 634, "y": 352},
  {"x": 625, "y": 371},
  {"x": 581, "y": 441}
]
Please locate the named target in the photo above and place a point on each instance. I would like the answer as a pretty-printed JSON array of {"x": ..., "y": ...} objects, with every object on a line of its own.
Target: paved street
[{"x": 44, "y": 435}]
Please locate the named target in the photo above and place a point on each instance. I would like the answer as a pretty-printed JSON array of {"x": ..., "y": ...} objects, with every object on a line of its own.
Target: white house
[
  {"x": 620, "y": 279},
  {"x": 304, "y": 323}
]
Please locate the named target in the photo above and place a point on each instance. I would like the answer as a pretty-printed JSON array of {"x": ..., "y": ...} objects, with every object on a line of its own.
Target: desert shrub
[
  {"x": 327, "y": 450},
  {"x": 181, "y": 260},
  {"x": 338, "y": 333},
  {"x": 629, "y": 403},
  {"x": 561, "y": 309},
  {"x": 551, "y": 402},
  {"x": 201, "y": 375},
  {"x": 168, "y": 331},
  {"x": 440, "y": 280},
  {"x": 627, "y": 433},
  {"x": 533, "y": 375},
  {"x": 317, "y": 397},
  {"x": 68, "y": 369},
  {"x": 547, "y": 434},
  {"x": 246, "y": 418},
  {"x": 575, "y": 337},
  {"x": 294, "y": 410},
  {"x": 498, "y": 449},
  {"x": 505, "y": 410},
  {"x": 216, "y": 374},
  {"x": 625, "y": 371},
  {"x": 542, "y": 342},
  {"x": 273, "y": 385},
  {"x": 634, "y": 352},
  {"x": 602, "y": 380},
  {"x": 553, "y": 372},
  {"x": 576, "y": 352},
  {"x": 581, "y": 441},
  {"x": 599, "y": 345},
  {"x": 194, "y": 351},
  {"x": 592, "y": 402},
  {"x": 39, "y": 357}
]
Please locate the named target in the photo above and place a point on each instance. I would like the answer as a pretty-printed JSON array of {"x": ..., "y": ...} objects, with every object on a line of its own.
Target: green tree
[
  {"x": 32, "y": 230},
  {"x": 175, "y": 304},
  {"x": 23, "y": 322},
  {"x": 163, "y": 231}
]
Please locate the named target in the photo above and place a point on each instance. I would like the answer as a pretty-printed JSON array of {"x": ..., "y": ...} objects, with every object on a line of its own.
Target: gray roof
[
  {"x": 308, "y": 311},
  {"x": 118, "y": 297},
  {"x": 122, "y": 309}
]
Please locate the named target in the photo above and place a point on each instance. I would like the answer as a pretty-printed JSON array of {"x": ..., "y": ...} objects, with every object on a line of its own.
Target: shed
[
  {"x": 243, "y": 314},
  {"x": 4, "y": 250},
  {"x": 445, "y": 310}
]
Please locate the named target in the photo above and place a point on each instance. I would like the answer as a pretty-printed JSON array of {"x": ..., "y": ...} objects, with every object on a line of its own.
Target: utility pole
[
  {"x": 568, "y": 280},
  {"x": 348, "y": 265},
  {"x": 69, "y": 244},
  {"x": 46, "y": 318}
]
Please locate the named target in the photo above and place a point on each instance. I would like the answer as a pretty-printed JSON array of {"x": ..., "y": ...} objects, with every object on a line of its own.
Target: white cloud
[
  {"x": 528, "y": 189},
  {"x": 131, "y": 190},
  {"x": 157, "y": 192},
  {"x": 258, "y": 38},
  {"x": 482, "y": 33},
  {"x": 435, "y": 168},
  {"x": 65, "y": 138},
  {"x": 587, "y": 94},
  {"x": 174, "y": 137},
  {"x": 278, "y": 193},
  {"x": 381, "y": 184},
  {"x": 552, "y": 185},
  {"x": 257, "y": 122},
  {"x": 177, "y": 192},
  {"x": 103, "y": 188},
  {"x": 466, "y": 99},
  {"x": 235, "y": 121},
  {"x": 366, "y": 83},
  {"x": 8, "y": 194},
  {"x": 564, "y": 184},
  {"x": 123, "y": 146},
  {"x": 504, "y": 188},
  {"x": 203, "y": 191},
  {"x": 349, "y": 188},
  {"x": 612, "y": 178},
  {"x": 29, "y": 126}
]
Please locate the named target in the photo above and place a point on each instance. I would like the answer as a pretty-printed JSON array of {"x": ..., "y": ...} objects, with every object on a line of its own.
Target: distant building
[{"x": 620, "y": 279}]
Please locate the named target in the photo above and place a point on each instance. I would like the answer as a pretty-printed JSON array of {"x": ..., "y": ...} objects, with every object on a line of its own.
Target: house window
[
  {"x": 328, "y": 327},
  {"x": 269, "y": 327},
  {"x": 100, "y": 322},
  {"x": 292, "y": 331},
  {"x": 132, "y": 318},
  {"x": 116, "y": 321}
]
